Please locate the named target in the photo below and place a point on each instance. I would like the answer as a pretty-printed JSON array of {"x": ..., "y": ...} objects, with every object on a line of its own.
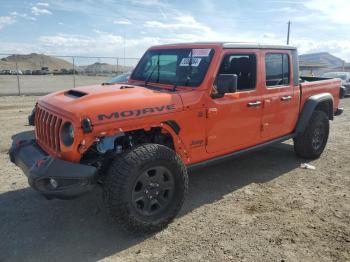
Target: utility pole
[
  {"x": 73, "y": 72},
  {"x": 18, "y": 84},
  {"x": 288, "y": 32},
  {"x": 124, "y": 51}
]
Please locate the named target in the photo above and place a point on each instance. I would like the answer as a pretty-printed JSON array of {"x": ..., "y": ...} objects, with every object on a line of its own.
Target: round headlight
[{"x": 67, "y": 134}]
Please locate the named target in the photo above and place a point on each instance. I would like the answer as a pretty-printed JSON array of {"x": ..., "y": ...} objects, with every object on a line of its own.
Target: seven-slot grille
[{"x": 47, "y": 126}]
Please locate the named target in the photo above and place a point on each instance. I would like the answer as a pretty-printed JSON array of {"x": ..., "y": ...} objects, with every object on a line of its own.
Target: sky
[{"x": 104, "y": 27}]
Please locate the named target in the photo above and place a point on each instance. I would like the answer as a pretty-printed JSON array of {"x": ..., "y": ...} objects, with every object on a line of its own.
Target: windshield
[
  {"x": 335, "y": 75},
  {"x": 183, "y": 67}
]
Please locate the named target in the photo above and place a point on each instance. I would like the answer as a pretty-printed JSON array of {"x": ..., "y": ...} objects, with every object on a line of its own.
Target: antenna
[{"x": 288, "y": 32}]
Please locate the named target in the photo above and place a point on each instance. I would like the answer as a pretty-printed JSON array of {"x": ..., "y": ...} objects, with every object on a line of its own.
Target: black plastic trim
[
  {"x": 74, "y": 93},
  {"x": 314, "y": 78},
  {"x": 216, "y": 160},
  {"x": 309, "y": 108},
  {"x": 173, "y": 125},
  {"x": 73, "y": 179}
]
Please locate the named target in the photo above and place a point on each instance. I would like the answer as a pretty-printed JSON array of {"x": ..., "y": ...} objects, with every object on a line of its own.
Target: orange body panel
[
  {"x": 330, "y": 86},
  {"x": 279, "y": 116},
  {"x": 209, "y": 127}
]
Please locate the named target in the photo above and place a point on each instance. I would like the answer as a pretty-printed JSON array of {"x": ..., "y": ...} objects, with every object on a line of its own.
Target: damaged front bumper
[{"x": 54, "y": 178}]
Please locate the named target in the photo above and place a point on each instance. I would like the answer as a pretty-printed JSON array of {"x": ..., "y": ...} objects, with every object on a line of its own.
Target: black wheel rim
[
  {"x": 318, "y": 137},
  {"x": 153, "y": 190}
]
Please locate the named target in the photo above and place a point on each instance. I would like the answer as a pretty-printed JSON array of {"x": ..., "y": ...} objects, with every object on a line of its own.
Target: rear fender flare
[{"x": 310, "y": 106}]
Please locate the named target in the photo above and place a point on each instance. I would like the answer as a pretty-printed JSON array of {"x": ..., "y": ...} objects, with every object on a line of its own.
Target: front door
[{"x": 234, "y": 120}]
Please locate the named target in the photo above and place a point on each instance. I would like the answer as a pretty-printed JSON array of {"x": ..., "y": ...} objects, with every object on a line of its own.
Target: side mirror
[{"x": 226, "y": 83}]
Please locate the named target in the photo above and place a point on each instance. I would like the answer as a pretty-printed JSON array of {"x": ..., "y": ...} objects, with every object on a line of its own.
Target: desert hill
[
  {"x": 323, "y": 58},
  {"x": 34, "y": 62},
  {"x": 37, "y": 61}
]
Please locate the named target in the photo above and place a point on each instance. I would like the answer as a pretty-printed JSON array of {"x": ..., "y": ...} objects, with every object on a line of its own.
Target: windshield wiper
[
  {"x": 157, "y": 88},
  {"x": 150, "y": 75}
]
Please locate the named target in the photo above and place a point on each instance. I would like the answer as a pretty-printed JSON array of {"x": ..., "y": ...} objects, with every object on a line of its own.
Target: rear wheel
[
  {"x": 311, "y": 143},
  {"x": 145, "y": 188}
]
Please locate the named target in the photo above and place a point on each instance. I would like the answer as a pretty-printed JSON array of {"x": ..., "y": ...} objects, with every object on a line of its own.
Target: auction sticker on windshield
[
  {"x": 186, "y": 61},
  {"x": 200, "y": 52}
]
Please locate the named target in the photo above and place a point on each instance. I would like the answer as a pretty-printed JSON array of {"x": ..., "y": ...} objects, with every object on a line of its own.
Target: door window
[
  {"x": 277, "y": 69},
  {"x": 244, "y": 66}
]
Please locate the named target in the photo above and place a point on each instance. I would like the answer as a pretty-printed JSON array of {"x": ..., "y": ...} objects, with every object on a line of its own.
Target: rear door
[
  {"x": 281, "y": 98},
  {"x": 234, "y": 120}
]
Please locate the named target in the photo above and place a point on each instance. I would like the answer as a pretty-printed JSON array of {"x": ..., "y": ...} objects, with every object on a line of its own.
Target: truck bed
[{"x": 310, "y": 86}]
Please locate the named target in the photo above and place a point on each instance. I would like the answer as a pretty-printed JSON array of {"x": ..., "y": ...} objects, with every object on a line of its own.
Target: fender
[
  {"x": 180, "y": 147},
  {"x": 310, "y": 106},
  {"x": 173, "y": 125},
  {"x": 170, "y": 126}
]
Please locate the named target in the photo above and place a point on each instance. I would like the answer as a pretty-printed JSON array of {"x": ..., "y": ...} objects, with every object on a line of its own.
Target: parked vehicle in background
[
  {"x": 28, "y": 72},
  {"x": 185, "y": 106},
  {"x": 345, "y": 80},
  {"x": 42, "y": 71},
  {"x": 123, "y": 78},
  {"x": 72, "y": 71},
  {"x": 11, "y": 72},
  {"x": 64, "y": 71},
  {"x": 6, "y": 72}
]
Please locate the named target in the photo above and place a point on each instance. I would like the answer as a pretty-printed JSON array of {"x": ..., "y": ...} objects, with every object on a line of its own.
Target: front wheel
[
  {"x": 145, "y": 188},
  {"x": 311, "y": 143}
]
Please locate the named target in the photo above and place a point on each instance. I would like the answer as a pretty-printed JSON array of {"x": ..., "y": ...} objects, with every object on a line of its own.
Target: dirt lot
[{"x": 259, "y": 207}]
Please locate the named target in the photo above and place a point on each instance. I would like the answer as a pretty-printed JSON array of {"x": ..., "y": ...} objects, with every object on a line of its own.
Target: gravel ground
[{"x": 259, "y": 207}]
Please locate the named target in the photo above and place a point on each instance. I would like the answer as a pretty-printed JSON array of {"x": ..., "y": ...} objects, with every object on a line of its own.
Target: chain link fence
[{"x": 38, "y": 74}]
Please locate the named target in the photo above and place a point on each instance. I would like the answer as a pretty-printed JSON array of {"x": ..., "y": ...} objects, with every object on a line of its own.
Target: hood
[{"x": 112, "y": 102}]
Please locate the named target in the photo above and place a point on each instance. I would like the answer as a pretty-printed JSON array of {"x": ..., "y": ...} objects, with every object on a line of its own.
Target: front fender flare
[{"x": 179, "y": 144}]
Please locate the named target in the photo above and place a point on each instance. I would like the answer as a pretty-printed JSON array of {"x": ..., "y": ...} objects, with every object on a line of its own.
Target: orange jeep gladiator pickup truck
[{"x": 184, "y": 106}]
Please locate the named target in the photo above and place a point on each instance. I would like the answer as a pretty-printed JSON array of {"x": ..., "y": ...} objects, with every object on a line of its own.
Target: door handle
[
  {"x": 254, "y": 104},
  {"x": 286, "y": 98}
]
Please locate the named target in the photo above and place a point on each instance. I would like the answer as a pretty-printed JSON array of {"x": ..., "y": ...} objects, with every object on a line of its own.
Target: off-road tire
[
  {"x": 119, "y": 187},
  {"x": 317, "y": 130}
]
